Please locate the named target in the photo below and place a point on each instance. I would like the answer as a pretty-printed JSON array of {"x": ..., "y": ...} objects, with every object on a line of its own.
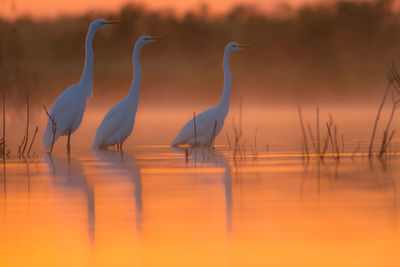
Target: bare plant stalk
[
  {"x": 390, "y": 140},
  {"x": 33, "y": 140},
  {"x": 312, "y": 138},
  {"x": 54, "y": 128},
  {"x": 303, "y": 131},
  {"x": 255, "y": 143},
  {"x": 4, "y": 125},
  {"x": 20, "y": 146},
  {"x": 326, "y": 140},
  {"x": 342, "y": 143},
  {"x": 318, "y": 139},
  {"x": 356, "y": 150},
  {"x": 213, "y": 135},
  {"x": 328, "y": 126},
  {"x": 229, "y": 142},
  {"x": 336, "y": 142},
  {"x": 238, "y": 135},
  {"x": 386, "y": 132},
  {"x": 377, "y": 118},
  {"x": 194, "y": 128},
  {"x": 240, "y": 116},
  {"x": 27, "y": 125}
]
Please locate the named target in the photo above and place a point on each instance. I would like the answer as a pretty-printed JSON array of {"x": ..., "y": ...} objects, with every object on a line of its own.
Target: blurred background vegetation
[{"x": 331, "y": 52}]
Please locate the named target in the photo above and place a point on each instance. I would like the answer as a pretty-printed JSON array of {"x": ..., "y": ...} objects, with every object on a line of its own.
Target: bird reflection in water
[
  {"x": 124, "y": 164},
  {"x": 69, "y": 173},
  {"x": 208, "y": 156}
]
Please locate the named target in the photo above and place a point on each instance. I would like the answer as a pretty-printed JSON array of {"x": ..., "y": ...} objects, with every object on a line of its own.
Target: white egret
[
  {"x": 69, "y": 107},
  {"x": 204, "y": 127},
  {"x": 118, "y": 123}
]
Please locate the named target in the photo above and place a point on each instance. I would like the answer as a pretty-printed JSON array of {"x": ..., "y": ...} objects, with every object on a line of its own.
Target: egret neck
[
  {"x": 134, "y": 91},
  {"x": 226, "y": 93},
  {"x": 87, "y": 75}
]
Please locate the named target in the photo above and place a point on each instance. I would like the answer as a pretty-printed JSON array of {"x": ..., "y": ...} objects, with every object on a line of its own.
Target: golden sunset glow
[{"x": 49, "y": 8}]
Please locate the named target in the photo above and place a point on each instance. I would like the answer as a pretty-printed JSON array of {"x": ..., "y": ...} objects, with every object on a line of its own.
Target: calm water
[{"x": 153, "y": 206}]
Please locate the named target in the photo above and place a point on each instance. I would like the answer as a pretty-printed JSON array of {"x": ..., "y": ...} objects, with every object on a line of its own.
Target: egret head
[
  {"x": 146, "y": 39},
  {"x": 97, "y": 24},
  {"x": 233, "y": 46}
]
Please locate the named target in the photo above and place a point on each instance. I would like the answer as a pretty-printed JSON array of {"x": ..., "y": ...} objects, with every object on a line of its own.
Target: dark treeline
[{"x": 339, "y": 50}]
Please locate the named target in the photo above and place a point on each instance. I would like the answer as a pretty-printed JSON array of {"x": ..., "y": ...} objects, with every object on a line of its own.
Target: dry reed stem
[
  {"x": 385, "y": 133},
  {"x": 385, "y": 140},
  {"x": 336, "y": 142},
  {"x": 20, "y": 146},
  {"x": 213, "y": 136},
  {"x": 312, "y": 139},
  {"x": 378, "y": 116},
  {"x": 229, "y": 142},
  {"x": 54, "y": 128},
  {"x": 27, "y": 125},
  {"x": 33, "y": 140},
  {"x": 356, "y": 150},
  {"x": 317, "y": 126},
  {"x": 194, "y": 128},
  {"x": 390, "y": 139},
  {"x": 255, "y": 153},
  {"x": 326, "y": 140},
  {"x": 4, "y": 126},
  {"x": 329, "y": 126},
  {"x": 342, "y": 143},
  {"x": 303, "y": 131}
]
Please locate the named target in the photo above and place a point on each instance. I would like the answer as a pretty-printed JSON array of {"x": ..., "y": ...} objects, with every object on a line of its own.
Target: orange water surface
[{"x": 154, "y": 206}]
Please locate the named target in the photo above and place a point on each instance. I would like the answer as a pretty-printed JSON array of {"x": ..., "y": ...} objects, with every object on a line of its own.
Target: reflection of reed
[
  {"x": 209, "y": 156},
  {"x": 125, "y": 163},
  {"x": 69, "y": 173}
]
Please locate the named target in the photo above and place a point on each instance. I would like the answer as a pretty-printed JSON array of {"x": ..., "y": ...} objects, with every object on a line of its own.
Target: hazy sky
[{"x": 52, "y": 8}]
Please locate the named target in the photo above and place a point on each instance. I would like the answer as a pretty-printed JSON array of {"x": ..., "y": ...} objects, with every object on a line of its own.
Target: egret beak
[
  {"x": 110, "y": 22},
  {"x": 242, "y": 45},
  {"x": 155, "y": 38}
]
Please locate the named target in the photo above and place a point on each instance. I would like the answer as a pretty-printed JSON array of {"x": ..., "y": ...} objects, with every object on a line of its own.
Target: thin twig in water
[
  {"x": 27, "y": 125},
  {"x": 33, "y": 140},
  {"x": 303, "y": 131},
  {"x": 386, "y": 132},
  {"x": 194, "y": 128},
  {"x": 329, "y": 126},
  {"x": 318, "y": 139},
  {"x": 342, "y": 143},
  {"x": 356, "y": 150},
  {"x": 20, "y": 146},
  {"x": 4, "y": 125},
  {"x": 378, "y": 116},
  {"x": 326, "y": 139},
  {"x": 336, "y": 142},
  {"x": 255, "y": 144},
  {"x": 213, "y": 136},
  {"x": 54, "y": 128},
  {"x": 229, "y": 142},
  {"x": 312, "y": 138}
]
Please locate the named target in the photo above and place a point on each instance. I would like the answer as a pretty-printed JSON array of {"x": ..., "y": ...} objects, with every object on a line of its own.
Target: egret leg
[
  {"x": 120, "y": 146},
  {"x": 117, "y": 147},
  {"x": 69, "y": 142}
]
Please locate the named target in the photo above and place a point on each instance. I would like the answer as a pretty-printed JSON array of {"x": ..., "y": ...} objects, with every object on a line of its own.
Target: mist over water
[{"x": 334, "y": 53}]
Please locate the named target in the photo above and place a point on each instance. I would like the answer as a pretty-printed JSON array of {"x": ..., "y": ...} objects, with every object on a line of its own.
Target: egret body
[
  {"x": 204, "y": 127},
  {"x": 118, "y": 123},
  {"x": 68, "y": 109}
]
